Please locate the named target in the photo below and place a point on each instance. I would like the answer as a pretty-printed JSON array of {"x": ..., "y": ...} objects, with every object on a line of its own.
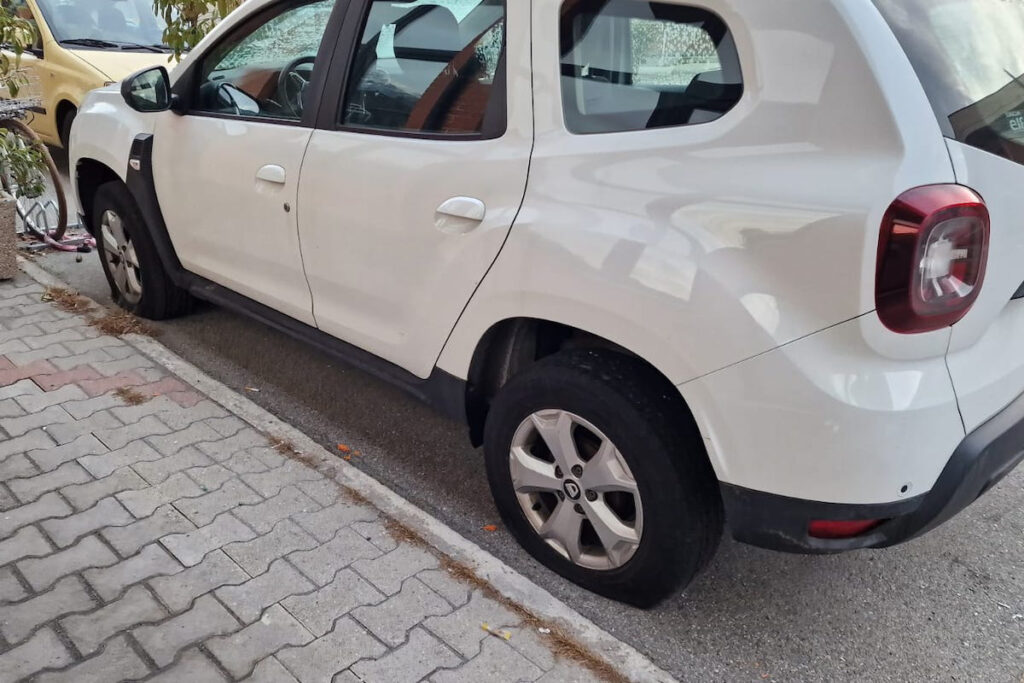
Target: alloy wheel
[
  {"x": 576, "y": 489},
  {"x": 119, "y": 254}
]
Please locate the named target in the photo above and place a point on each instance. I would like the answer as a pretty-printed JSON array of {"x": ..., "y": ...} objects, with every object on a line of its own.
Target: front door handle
[
  {"x": 464, "y": 207},
  {"x": 272, "y": 173}
]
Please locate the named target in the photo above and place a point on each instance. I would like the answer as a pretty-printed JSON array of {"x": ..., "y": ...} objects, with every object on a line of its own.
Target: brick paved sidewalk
[{"x": 150, "y": 534}]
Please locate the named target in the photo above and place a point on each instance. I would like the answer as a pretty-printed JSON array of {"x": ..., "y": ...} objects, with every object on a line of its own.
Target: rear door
[{"x": 412, "y": 181}]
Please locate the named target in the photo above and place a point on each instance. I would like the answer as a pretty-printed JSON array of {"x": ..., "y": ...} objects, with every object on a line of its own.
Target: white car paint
[{"x": 737, "y": 257}]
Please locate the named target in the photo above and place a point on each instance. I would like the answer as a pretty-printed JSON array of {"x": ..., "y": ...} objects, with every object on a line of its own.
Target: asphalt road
[{"x": 949, "y": 606}]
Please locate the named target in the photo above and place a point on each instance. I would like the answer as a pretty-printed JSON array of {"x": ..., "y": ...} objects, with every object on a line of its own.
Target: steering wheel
[{"x": 291, "y": 84}]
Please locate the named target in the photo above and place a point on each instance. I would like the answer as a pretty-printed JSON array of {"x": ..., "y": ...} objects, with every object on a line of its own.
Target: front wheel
[
  {"x": 137, "y": 279},
  {"x": 600, "y": 474}
]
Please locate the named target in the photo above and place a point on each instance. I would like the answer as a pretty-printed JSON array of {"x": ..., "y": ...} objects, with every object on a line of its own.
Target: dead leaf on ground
[
  {"x": 131, "y": 396},
  {"x": 119, "y": 323},
  {"x": 490, "y": 527},
  {"x": 67, "y": 300}
]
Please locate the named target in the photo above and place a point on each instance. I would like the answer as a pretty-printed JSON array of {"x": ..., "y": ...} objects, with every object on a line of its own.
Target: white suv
[{"x": 679, "y": 264}]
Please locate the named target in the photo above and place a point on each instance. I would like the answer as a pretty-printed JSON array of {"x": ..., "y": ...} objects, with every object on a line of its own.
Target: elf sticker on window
[{"x": 1015, "y": 124}]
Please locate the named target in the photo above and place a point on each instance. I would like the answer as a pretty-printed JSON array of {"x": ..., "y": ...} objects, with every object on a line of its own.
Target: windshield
[
  {"x": 969, "y": 56},
  {"x": 120, "y": 22}
]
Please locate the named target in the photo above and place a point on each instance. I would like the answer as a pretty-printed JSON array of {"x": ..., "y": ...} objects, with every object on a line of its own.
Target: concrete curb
[{"x": 504, "y": 579}]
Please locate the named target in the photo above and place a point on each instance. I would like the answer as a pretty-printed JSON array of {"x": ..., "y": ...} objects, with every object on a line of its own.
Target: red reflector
[{"x": 827, "y": 528}]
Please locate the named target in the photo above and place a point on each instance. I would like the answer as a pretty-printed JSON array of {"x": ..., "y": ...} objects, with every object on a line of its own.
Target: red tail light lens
[
  {"x": 827, "y": 528},
  {"x": 932, "y": 253}
]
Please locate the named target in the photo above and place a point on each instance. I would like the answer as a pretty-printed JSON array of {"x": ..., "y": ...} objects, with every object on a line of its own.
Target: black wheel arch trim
[{"x": 441, "y": 390}]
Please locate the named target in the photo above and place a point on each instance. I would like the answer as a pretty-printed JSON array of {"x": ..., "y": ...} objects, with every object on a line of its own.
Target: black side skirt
[{"x": 443, "y": 391}]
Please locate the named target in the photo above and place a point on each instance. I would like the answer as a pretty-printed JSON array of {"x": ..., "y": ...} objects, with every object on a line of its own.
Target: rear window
[
  {"x": 632, "y": 65},
  {"x": 969, "y": 55}
]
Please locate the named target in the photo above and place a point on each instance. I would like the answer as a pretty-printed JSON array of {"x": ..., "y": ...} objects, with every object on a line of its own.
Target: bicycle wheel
[{"x": 26, "y": 137}]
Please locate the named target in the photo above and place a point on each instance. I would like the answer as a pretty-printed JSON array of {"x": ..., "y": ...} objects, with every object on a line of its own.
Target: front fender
[{"x": 103, "y": 132}]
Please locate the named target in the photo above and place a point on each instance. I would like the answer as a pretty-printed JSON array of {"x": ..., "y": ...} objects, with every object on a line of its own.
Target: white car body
[{"x": 737, "y": 257}]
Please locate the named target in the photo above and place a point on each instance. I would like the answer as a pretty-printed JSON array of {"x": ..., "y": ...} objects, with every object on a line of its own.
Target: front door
[
  {"x": 409, "y": 189},
  {"x": 227, "y": 171}
]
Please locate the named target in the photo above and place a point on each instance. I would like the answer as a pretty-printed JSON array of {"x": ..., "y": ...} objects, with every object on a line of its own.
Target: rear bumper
[{"x": 983, "y": 458}]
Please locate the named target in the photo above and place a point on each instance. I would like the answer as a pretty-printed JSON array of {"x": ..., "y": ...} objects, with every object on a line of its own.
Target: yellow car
[{"x": 82, "y": 45}]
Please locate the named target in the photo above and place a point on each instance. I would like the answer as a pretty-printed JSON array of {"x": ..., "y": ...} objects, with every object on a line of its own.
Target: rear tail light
[
  {"x": 828, "y": 528},
  {"x": 932, "y": 253}
]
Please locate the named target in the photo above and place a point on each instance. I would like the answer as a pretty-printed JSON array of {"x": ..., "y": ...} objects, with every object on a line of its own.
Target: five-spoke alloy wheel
[{"x": 120, "y": 257}]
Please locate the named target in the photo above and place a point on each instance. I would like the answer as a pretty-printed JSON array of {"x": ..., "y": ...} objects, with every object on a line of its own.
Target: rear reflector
[
  {"x": 932, "y": 252},
  {"x": 827, "y": 528}
]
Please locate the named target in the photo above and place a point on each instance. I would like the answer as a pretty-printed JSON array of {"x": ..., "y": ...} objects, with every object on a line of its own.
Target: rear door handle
[
  {"x": 272, "y": 173},
  {"x": 464, "y": 207}
]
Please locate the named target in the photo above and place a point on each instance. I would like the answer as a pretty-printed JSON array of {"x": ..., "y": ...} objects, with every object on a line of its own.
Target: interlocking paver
[
  {"x": 190, "y": 548},
  {"x": 419, "y": 656},
  {"x": 54, "y": 380},
  {"x": 116, "y": 662},
  {"x": 14, "y": 374},
  {"x": 151, "y": 561},
  {"x": 166, "y": 520},
  {"x": 246, "y": 462},
  {"x": 227, "y": 425},
  {"x": 321, "y": 564},
  {"x": 290, "y": 502},
  {"x": 95, "y": 424},
  {"x": 256, "y": 555},
  {"x": 271, "y": 671},
  {"x": 239, "y": 653},
  {"x": 27, "y": 542},
  {"x": 566, "y": 673},
  {"x": 197, "y": 433},
  {"x": 11, "y": 589},
  {"x": 178, "y": 591},
  {"x": 77, "y": 359},
  {"x": 38, "y": 402},
  {"x": 324, "y": 524},
  {"x": 105, "y": 464},
  {"x": 19, "y": 620},
  {"x": 54, "y": 415},
  {"x": 113, "y": 367},
  {"x": 318, "y": 611},
  {"x": 248, "y": 600},
  {"x": 97, "y": 343},
  {"x": 323, "y": 491},
  {"x": 388, "y": 572},
  {"x": 144, "y": 501},
  {"x": 121, "y": 435},
  {"x": 497, "y": 661},
  {"x": 88, "y": 631},
  {"x": 88, "y": 552},
  {"x": 206, "y": 619},
  {"x": 222, "y": 449},
  {"x": 391, "y": 620},
  {"x": 52, "y": 351},
  {"x": 209, "y": 477},
  {"x": 83, "y": 409},
  {"x": 203, "y": 509},
  {"x": 461, "y": 629},
  {"x": 84, "y": 496},
  {"x": 157, "y": 471},
  {"x": 101, "y": 385},
  {"x": 10, "y": 408},
  {"x": 107, "y": 512},
  {"x": 51, "y": 458},
  {"x": 22, "y": 387},
  {"x": 43, "y": 650},
  {"x": 49, "y": 505},
  {"x": 271, "y": 482},
  {"x": 451, "y": 589},
  {"x": 26, "y": 442},
  {"x": 31, "y": 488},
  {"x": 318, "y": 661},
  {"x": 193, "y": 667},
  {"x": 44, "y": 340}
]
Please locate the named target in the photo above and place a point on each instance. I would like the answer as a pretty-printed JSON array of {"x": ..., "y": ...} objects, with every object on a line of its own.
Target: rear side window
[
  {"x": 969, "y": 55},
  {"x": 633, "y": 65}
]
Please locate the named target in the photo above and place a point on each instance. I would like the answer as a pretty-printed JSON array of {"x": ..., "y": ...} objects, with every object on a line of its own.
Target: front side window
[
  {"x": 429, "y": 67},
  {"x": 265, "y": 70},
  {"x": 633, "y": 65},
  {"x": 110, "y": 24}
]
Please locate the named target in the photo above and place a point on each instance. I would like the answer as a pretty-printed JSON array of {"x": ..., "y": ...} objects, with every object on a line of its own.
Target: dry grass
[
  {"x": 287, "y": 449},
  {"x": 119, "y": 323},
  {"x": 66, "y": 300},
  {"x": 131, "y": 396}
]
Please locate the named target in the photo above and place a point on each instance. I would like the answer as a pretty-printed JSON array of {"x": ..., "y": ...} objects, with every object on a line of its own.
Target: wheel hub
[{"x": 572, "y": 489}]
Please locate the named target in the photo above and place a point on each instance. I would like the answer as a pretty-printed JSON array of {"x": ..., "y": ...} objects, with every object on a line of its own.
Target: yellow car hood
[{"x": 116, "y": 64}]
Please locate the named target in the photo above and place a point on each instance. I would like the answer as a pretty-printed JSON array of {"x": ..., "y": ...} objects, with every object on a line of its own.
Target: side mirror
[{"x": 148, "y": 90}]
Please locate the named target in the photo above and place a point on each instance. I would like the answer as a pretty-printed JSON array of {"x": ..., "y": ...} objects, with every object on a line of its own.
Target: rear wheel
[
  {"x": 138, "y": 281},
  {"x": 65, "y": 129},
  {"x": 600, "y": 474}
]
